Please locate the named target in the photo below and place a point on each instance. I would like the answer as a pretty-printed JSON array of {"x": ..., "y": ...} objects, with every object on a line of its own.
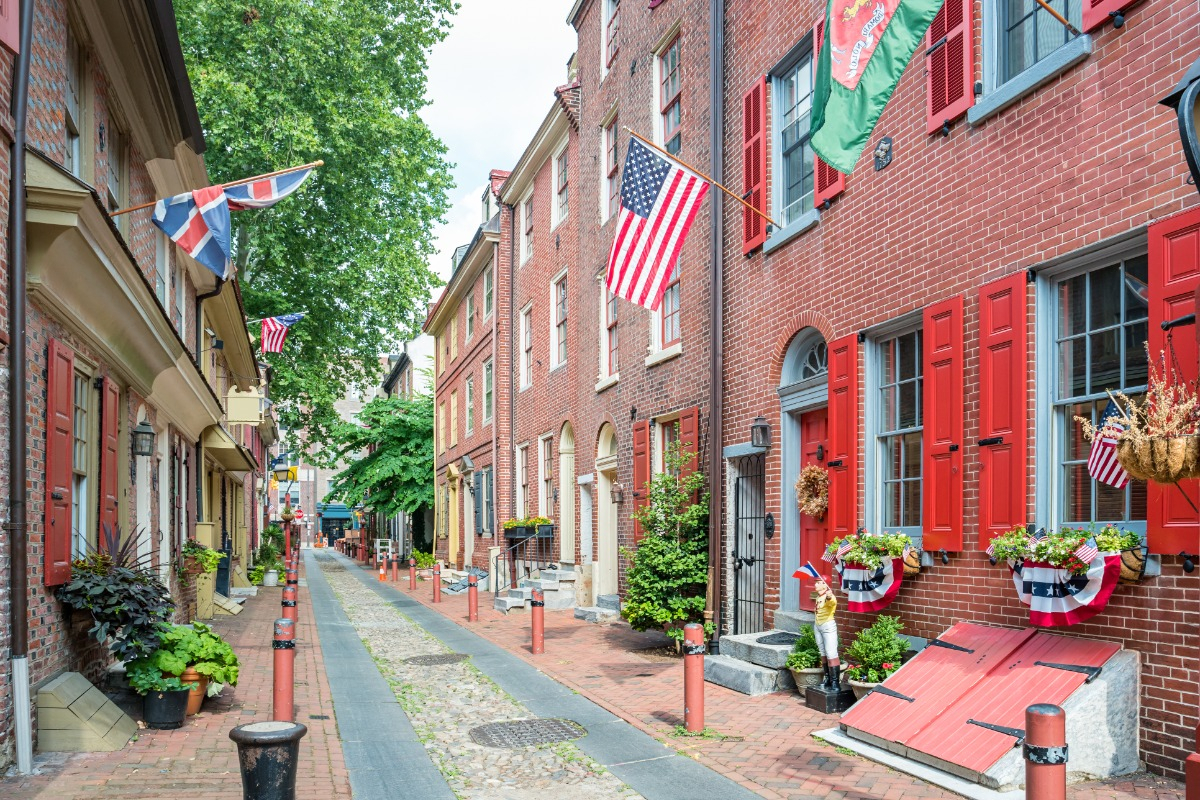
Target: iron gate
[{"x": 749, "y": 544}]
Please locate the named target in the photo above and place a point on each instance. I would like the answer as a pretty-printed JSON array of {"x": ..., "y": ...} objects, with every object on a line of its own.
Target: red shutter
[
  {"x": 942, "y": 416},
  {"x": 641, "y": 471},
  {"x": 828, "y": 183},
  {"x": 1174, "y": 271},
  {"x": 689, "y": 438},
  {"x": 109, "y": 424},
  {"x": 843, "y": 436},
  {"x": 1003, "y": 395},
  {"x": 949, "y": 88},
  {"x": 60, "y": 409},
  {"x": 1095, "y": 12},
  {"x": 10, "y": 25},
  {"x": 754, "y": 164}
]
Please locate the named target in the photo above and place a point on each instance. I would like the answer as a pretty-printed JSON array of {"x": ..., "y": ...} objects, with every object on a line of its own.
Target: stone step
[
  {"x": 522, "y": 592},
  {"x": 545, "y": 584},
  {"x": 562, "y": 575},
  {"x": 791, "y": 621},
  {"x": 609, "y": 601},
  {"x": 504, "y": 603},
  {"x": 750, "y": 647},
  {"x": 744, "y": 677},
  {"x": 560, "y": 599},
  {"x": 595, "y": 614}
]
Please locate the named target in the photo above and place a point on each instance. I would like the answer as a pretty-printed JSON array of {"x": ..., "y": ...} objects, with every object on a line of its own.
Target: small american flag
[
  {"x": 991, "y": 550},
  {"x": 275, "y": 330},
  {"x": 1087, "y": 551},
  {"x": 828, "y": 556},
  {"x": 1102, "y": 461},
  {"x": 844, "y": 548},
  {"x": 659, "y": 200}
]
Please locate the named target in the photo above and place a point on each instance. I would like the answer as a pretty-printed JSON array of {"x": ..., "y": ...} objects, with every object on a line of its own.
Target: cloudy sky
[{"x": 491, "y": 82}]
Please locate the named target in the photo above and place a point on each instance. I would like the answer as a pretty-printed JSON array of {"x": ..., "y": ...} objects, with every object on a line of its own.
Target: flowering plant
[
  {"x": 1058, "y": 548},
  {"x": 876, "y": 651},
  {"x": 869, "y": 549},
  {"x": 527, "y": 522},
  {"x": 812, "y": 490}
]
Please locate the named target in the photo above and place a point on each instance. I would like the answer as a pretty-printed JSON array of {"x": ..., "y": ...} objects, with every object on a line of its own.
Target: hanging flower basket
[
  {"x": 1133, "y": 565},
  {"x": 812, "y": 491},
  {"x": 872, "y": 567},
  {"x": 912, "y": 561},
  {"x": 1160, "y": 459}
]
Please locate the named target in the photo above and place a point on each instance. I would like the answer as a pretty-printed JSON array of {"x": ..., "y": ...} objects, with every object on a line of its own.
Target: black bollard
[{"x": 268, "y": 753}]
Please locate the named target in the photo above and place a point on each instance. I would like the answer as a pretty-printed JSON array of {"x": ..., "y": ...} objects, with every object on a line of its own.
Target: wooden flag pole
[
  {"x": 700, "y": 174},
  {"x": 230, "y": 184},
  {"x": 1058, "y": 17}
]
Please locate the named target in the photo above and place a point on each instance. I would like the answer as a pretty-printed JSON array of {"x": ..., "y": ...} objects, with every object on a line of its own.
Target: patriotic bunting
[
  {"x": 870, "y": 589},
  {"x": 1056, "y": 597}
]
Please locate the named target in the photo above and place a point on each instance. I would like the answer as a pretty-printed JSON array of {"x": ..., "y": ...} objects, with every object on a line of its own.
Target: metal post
[
  {"x": 472, "y": 598},
  {"x": 289, "y": 603},
  {"x": 437, "y": 583},
  {"x": 693, "y": 677},
  {"x": 1045, "y": 752},
  {"x": 282, "y": 705},
  {"x": 395, "y": 570},
  {"x": 537, "y": 613},
  {"x": 412, "y": 574}
]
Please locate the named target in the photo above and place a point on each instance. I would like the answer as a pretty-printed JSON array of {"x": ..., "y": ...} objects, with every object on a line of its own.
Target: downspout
[
  {"x": 716, "y": 559},
  {"x": 512, "y": 373},
  {"x": 17, "y": 401},
  {"x": 495, "y": 440}
]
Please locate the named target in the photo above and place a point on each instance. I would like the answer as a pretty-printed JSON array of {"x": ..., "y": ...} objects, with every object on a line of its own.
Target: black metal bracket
[
  {"x": 933, "y": 47},
  {"x": 769, "y": 525},
  {"x": 1118, "y": 18},
  {"x": 1017, "y": 732},
  {"x": 948, "y": 646},
  {"x": 1091, "y": 672},
  {"x": 1186, "y": 319},
  {"x": 945, "y": 127},
  {"x": 991, "y": 440},
  {"x": 893, "y": 693},
  {"x": 1036, "y": 754}
]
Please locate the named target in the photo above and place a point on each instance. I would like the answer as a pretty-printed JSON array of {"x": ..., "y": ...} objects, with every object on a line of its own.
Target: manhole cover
[
  {"x": 779, "y": 637},
  {"x": 526, "y": 732},
  {"x": 436, "y": 659}
]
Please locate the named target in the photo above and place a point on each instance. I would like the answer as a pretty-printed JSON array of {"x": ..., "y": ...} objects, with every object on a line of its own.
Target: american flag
[
  {"x": 266, "y": 192},
  {"x": 991, "y": 550},
  {"x": 844, "y": 548},
  {"x": 827, "y": 556},
  {"x": 275, "y": 330},
  {"x": 1102, "y": 461},
  {"x": 659, "y": 200},
  {"x": 199, "y": 223},
  {"x": 1087, "y": 551}
]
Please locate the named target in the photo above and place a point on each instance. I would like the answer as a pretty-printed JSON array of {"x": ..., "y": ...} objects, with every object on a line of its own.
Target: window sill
[
  {"x": 1030, "y": 80},
  {"x": 607, "y": 381},
  {"x": 557, "y": 367},
  {"x": 524, "y": 388},
  {"x": 666, "y": 354},
  {"x": 807, "y": 220}
]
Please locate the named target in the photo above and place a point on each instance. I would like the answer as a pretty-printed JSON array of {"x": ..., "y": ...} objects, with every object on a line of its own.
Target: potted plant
[
  {"x": 198, "y": 560},
  {"x": 164, "y": 697},
  {"x": 425, "y": 562},
  {"x": 544, "y": 526},
  {"x": 804, "y": 662},
  {"x": 868, "y": 550},
  {"x": 516, "y": 529},
  {"x": 1111, "y": 539},
  {"x": 875, "y": 654},
  {"x": 198, "y": 656}
]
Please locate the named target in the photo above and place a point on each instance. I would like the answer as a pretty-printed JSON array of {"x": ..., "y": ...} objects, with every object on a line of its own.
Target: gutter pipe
[{"x": 716, "y": 560}]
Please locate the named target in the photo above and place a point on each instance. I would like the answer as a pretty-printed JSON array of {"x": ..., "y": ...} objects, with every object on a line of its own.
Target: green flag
[{"x": 868, "y": 43}]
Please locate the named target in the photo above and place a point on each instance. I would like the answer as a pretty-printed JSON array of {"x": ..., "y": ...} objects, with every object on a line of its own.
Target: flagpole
[
  {"x": 689, "y": 167},
  {"x": 1058, "y": 17},
  {"x": 230, "y": 184}
]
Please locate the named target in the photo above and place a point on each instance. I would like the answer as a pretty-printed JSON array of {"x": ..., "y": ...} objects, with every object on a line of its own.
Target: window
[
  {"x": 1101, "y": 324},
  {"x": 527, "y": 227},
  {"x": 115, "y": 147},
  {"x": 898, "y": 436},
  {"x": 560, "y": 187},
  {"x": 612, "y": 170},
  {"x": 1028, "y": 33},
  {"x": 488, "y": 501},
  {"x": 526, "y": 348},
  {"x": 162, "y": 264},
  {"x": 546, "y": 493},
  {"x": 609, "y": 348},
  {"x": 522, "y": 480},
  {"x": 454, "y": 418},
  {"x": 669, "y": 311},
  {"x": 441, "y": 431},
  {"x": 454, "y": 336},
  {"x": 560, "y": 322},
  {"x": 443, "y": 355},
  {"x": 669, "y": 97},
  {"x": 488, "y": 291},
  {"x": 668, "y": 438},
  {"x": 793, "y": 105},
  {"x": 81, "y": 426},
  {"x": 487, "y": 390},
  {"x": 180, "y": 298},
  {"x": 73, "y": 159},
  {"x": 469, "y": 399},
  {"x": 612, "y": 26},
  {"x": 470, "y": 316}
]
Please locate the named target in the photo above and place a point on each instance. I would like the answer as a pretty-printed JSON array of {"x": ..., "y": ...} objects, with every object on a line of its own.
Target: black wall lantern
[
  {"x": 760, "y": 433},
  {"x": 142, "y": 437},
  {"x": 1183, "y": 100}
]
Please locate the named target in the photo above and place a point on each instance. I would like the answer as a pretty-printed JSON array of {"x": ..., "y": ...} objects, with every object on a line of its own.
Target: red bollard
[
  {"x": 292, "y": 578},
  {"x": 693, "y": 677},
  {"x": 282, "y": 707},
  {"x": 537, "y": 615},
  {"x": 437, "y": 583},
  {"x": 412, "y": 574},
  {"x": 472, "y": 598},
  {"x": 1045, "y": 752},
  {"x": 289, "y": 603},
  {"x": 395, "y": 570}
]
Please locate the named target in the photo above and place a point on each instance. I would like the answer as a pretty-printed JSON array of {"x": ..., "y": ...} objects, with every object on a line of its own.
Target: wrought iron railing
[{"x": 525, "y": 555}]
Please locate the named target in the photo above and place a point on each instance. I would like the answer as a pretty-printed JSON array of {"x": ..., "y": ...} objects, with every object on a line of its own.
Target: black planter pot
[
  {"x": 267, "y": 754},
  {"x": 165, "y": 711},
  {"x": 518, "y": 532},
  {"x": 545, "y": 531}
]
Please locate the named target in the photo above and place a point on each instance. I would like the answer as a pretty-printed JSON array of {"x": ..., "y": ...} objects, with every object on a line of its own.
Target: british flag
[
  {"x": 266, "y": 192},
  {"x": 199, "y": 223}
]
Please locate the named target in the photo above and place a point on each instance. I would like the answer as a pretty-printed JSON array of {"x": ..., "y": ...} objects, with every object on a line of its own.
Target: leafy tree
[
  {"x": 284, "y": 82},
  {"x": 396, "y": 472},
  {"x": 668, "y": 573}
]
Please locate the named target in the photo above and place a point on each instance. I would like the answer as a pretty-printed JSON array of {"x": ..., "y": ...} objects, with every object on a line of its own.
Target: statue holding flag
[{"x": 824, "y": 626}]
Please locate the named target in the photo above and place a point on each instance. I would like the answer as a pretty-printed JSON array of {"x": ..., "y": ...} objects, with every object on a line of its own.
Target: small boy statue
[{"x": 825, "y": 631}]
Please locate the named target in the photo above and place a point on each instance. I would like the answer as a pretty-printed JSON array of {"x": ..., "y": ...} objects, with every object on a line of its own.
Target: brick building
[{"x": 927, "y": 330}]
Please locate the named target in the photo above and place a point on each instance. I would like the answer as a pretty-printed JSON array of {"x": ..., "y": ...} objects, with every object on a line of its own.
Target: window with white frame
[
  {"x": 526, "y": 348},
  {"x": 162, "y": 266},
  {"x": 487, "y": 501},
  {"x": 666, "y": 437},
  {"x": 488, "y": 291},
  {"x": 612, "y": 172},
  {"x": 527, "y": 229},
  {"x": 546, "y": 484},
  {"x": 609, "y": 361},
  {"x": 522, "y": 481},
  {"x": 73, "y": 159},
  {"x": 561, "y": 187},
  {"x": 469, "y": 400},
  {"x": 470, "y": 315},
  {"x": 667, "y": 328},
  {"x": 454, "y": 336},
  {"x": 81, "y": 461},
  {"x": 1026, "y": 33},
  {"x": 897, "y": 434},
  {"x": 793, "y": 85},
  {"x": 454, "y": 418},
  {"x": 1100, "y": 326},
  {"x": 441, "y": 428},
  {"x": 115, "y": 147},
  {"x": 487, "y": 390},
  {"x": 612, "y": 26},
  {"x": 670, "y": 97},
  {"x": 180, "y": 298},
  {"x": 558, "y": 344}
]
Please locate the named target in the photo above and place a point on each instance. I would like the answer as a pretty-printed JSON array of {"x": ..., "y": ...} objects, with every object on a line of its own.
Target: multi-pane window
[
  {"x": 527, "y": 233},
  {"x": 546, "y": 496},
  {"x": 610, "y": 333},
  {"x": 1099, "y": 343},
  {"x": 162, "y": 263},
  {"x": 470, "y": 316},
  {"x": 488, "y": 292},
  {"x": 560, "y": 321},
  {"x": 526, "y": 347},
  {"x": 484, "y": 501},
  {"x": 522, "y": 480},
  {"x": 612, "y": 170},
  {"x": 180, "y": 299},
  {"x": 668, "y": 433},
  {"x": 562, "y": 186},
  {"x": 612, "y": 10},
  {"x": 469, "y": 399},
  {"x": 453, "y": 337},
  {"x": 793, "y": 107},
  {"x": 441, "y": 430},
  {"x": 81, "y": 428},
  {"x": 487, "y": 390},
  {"x": 669, "y": 311},
  {"x": 454, "y": 418},
  {"x": 669, "y": 97},
  {"x": 73, "y": 160},
  {"x": 898, "y": 437},
  {"x": 116, "y": 172},
  {"x": 1029, "y": 33}
]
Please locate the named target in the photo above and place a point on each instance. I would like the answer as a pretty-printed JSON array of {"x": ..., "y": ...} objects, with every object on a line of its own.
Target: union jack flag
[
  {"x": 1102, "y": 463},
  {"x": 266, "y": 192},
  {"x": 199, "y": 223},
  {"x": 275, "y": 330}
]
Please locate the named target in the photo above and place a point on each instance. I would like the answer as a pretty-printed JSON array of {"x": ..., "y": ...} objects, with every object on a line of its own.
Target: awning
[
  {"x": 225, "y": 451},
  {"x": 333, "y": 511}
]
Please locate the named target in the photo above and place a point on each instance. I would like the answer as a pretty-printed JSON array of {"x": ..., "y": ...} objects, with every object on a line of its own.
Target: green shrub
[
  {"x": 196, "y": 646},
  {"x": 424, "y": 560},
  {"x": 876, "y": 651},
  {"x": 805, "y": 654},
  {"x": 145, "y": 678}
]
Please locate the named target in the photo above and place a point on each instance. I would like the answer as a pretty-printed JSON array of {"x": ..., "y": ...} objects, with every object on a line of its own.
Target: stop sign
[{"x": 299, "y": 513}]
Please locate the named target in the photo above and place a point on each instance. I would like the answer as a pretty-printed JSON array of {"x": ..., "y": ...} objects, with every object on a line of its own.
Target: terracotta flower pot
[
  {"x": 810, "y": 676},
  {"x": 195, "y": 696},
  {"x": 860, "y": 688}
]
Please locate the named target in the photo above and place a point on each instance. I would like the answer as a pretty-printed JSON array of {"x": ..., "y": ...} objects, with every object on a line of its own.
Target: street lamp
[
  {"x": 142, "y": 439},
  {"x": 1184, "y": 100}
]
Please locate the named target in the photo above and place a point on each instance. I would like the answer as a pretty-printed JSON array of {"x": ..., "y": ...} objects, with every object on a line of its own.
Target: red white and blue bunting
[
  {"x": 1056, "y": 597},
  {"x": 870, "y": 589}
]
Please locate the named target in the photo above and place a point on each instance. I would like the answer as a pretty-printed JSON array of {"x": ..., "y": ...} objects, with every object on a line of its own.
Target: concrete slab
[
  {"x": 744, "y": 677},
  {"x": 747, "y": 647}
]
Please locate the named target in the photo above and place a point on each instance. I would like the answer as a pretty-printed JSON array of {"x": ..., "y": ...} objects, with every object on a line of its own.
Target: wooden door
[{"x": 814, "y": 533}]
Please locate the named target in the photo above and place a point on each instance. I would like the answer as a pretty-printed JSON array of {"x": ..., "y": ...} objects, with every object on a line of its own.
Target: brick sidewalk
[
  {"x": 199, "y": 760},
  {"x": 770, "y": 749}
]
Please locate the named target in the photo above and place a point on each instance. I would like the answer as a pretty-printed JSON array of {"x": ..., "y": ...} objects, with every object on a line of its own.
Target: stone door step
[
  {"x": 744, "y": 677},
  {"x": 596, "y": 614},
  {"x": 749, "y": 647}
]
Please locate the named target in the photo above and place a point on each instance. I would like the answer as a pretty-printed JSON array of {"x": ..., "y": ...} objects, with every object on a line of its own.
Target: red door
[{"x": 814, "y": 447}]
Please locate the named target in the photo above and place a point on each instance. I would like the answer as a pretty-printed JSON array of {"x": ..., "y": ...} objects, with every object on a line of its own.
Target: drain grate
[
  {"x": 779, "y": 637},
  {"x": 437, "y": 659},
  {"x": 518, "y": 733}
]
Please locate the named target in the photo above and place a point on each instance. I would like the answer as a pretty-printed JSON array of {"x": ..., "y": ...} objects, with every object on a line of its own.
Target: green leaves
[
  {"x": 128, "y": 606},
  {"x": 877, "y": 650}
]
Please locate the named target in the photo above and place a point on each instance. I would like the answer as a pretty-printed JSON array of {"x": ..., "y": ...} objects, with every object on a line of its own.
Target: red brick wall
[{"x": 1087, "y": 157}]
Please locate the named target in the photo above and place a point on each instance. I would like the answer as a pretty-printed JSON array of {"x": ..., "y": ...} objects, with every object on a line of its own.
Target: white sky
[{"x": 491, "y": 81}]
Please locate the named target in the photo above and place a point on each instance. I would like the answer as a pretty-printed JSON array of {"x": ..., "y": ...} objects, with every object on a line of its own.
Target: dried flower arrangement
[{"x": 812, "y": 490}]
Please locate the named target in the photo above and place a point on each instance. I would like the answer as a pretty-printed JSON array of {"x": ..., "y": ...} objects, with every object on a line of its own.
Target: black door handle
[
  {"x": 56, "y": 496},
  {"x": 991, "y": 441},
  {"x": 953, "y": 448}
]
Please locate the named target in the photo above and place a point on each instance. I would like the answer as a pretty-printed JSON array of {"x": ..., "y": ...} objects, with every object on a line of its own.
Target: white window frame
[
  {"x": 522, "y": 481},
  {"x": 609, "y": 139},
  {"x": 661, "y": 426},
  {"x": 469, "y": 402},
  {"x": 489, "y": 291},
  {"x": 658, "y": 352},
  {"x": 116, "y": 182},
  {"x": 673, "y": 34},
  {"x": 525, "y": 357},
  {"x": 162, "y": 268},
  {"x": 527, "y": 227},
  {"x": 606, "y": 377},
  {"x": 75, "y": 107},
  {"x": 555, "y": 344},
  {"x": 609, "y": 9},
  {"x": 806, "y": 219},
  {"x": 557, "y": 217},
  {"x": 489, "y": 379},
  {"x": 453, "y": 422},
  {"x": 470, "y": 316},
  {"x": 180, "y": 315},
  {"x": 545, "y": 487}
]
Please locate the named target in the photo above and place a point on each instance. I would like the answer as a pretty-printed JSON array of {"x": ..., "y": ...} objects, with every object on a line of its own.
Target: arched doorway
[
  {"x": 803, "y": 401},
  {"x": 604, "y": 577},
  {"x": 566, "y": 493}
]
